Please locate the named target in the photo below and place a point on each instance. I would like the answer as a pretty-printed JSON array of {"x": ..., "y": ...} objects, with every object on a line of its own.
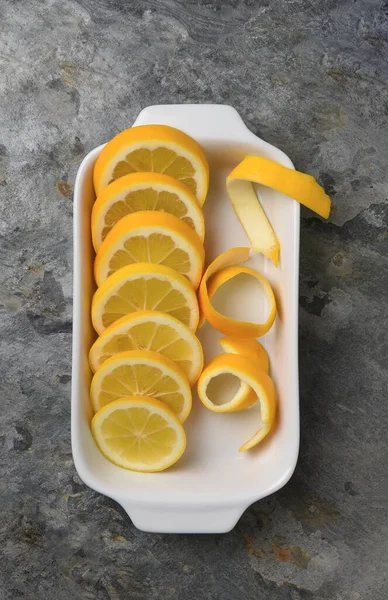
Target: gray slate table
[{"x": 309, "y": 76}]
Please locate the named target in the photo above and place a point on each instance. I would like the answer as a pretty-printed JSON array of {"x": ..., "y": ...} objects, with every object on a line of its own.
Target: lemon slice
[
  {"x": 221, "y": 270},
  {"x": 144, "y": 191},
  {"x": 246, "y": 371},
  {"x": 139, "y": 433},
  {"x": 256, "y": 169},
  {"x": 248, "y": 347},
  {"x": 144, "y": 286},
  {"x": 151, "y": 330},
  {"x": 144, "y": 373},
  {"x": 156, "y": 148},
  {"x": 154, "y": 237}
]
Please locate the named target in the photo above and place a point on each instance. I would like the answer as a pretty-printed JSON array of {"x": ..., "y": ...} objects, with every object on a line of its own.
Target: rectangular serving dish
[{"x": 210, "y": 487}]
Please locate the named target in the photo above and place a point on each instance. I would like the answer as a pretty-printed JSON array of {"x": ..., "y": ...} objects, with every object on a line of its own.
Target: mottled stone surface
[{"x": 309, "y": 76}]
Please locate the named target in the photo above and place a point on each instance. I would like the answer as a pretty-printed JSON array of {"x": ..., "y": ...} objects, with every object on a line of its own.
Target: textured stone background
[{"x": 309, "y": 76}]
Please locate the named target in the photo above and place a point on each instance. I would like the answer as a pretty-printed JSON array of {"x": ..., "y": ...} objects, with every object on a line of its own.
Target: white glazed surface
[{"x": 211, "y": 486}]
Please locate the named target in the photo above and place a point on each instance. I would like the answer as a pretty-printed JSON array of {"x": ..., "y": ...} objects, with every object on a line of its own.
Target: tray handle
[{"x": 183, "y": 519}]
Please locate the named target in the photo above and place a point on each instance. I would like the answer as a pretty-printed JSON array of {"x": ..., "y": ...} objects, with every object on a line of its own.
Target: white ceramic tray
[{"x": 210, "y": 487}]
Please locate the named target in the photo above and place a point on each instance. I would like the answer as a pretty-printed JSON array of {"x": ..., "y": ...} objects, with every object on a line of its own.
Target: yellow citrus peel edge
[
  {"x": 260, "y": 170},
  {"x": 221, "y": 270},
  {"x": 248, "y": 347},
  {"x": 259, "y": 381}
]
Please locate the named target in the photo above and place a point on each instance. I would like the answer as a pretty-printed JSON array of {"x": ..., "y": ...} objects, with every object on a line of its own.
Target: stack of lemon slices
[{"x": 148, "y": 231}]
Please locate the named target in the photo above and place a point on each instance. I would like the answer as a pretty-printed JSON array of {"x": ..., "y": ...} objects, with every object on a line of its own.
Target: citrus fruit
[
  {"x": 221, "y": 391},
  {"x": 221, "y": 270},
  {"x": 144, "y": 286},
  {"x": 144, "y": 373},
  {"x": 153, "y": 237},
  {"x": 139, "y": 433},
  {"x": 246, "y": 371},
  {"x": 156, "y": 148},
  {"x": 297, "y": 185},
  {"x": 248, "y": 347},
  {"x": 150, "y": 330},
  {"x": 144, "y": 191}
]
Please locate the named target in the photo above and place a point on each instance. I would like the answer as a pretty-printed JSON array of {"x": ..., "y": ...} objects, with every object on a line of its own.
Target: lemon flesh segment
[
  {"x": 144, "y": 286},
  {"x": 155, "y": 148},
  {"x": 258, "y": 381},
  {"x": 139, "y": 433},
  {"x": 140, "y": 192},
  {"x": 144, "y": 373},
  {"x": 151, "y": 330},
  {"x": 153, "y": 237},
  {"x": 297, "y": 185},
  {"x": 221, "y": 270}
]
